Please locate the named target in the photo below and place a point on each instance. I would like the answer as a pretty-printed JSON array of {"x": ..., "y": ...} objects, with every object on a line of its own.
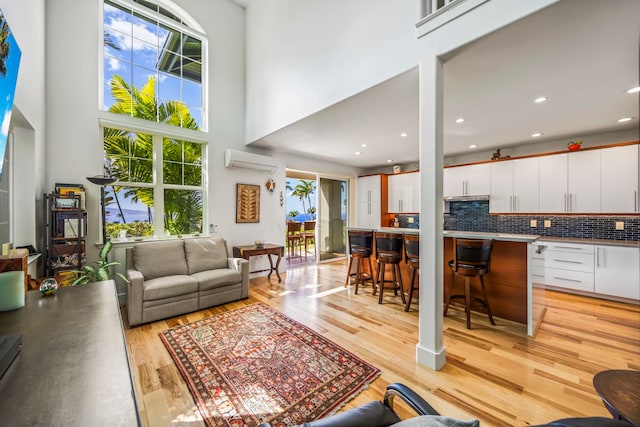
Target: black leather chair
[{"x": 381, "y": 414}]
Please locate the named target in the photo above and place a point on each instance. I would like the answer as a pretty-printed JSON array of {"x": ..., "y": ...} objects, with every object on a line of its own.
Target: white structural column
[{"x": 430, "y": 350}]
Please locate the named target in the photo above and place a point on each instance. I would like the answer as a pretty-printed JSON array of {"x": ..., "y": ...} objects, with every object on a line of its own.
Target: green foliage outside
[{"x": 129, "y": 159}]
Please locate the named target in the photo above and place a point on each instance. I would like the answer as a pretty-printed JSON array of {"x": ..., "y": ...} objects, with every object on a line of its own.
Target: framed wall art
[{"x": 247, "y": 203}]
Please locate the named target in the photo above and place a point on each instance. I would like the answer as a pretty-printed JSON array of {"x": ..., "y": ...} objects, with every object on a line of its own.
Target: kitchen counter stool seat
[
  {"x": 360, "y": 250},
  {"x": 412, "y": 258},
  {"x": 471, "y": 259},
  {"x": 389, "y": 252}
]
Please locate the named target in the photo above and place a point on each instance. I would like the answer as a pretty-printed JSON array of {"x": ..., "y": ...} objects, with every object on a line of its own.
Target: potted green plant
[{"x": 101, "y": 271}]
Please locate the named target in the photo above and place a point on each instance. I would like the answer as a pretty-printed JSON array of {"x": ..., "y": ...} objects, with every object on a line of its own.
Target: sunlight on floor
[{"x": 329, "y": 292}]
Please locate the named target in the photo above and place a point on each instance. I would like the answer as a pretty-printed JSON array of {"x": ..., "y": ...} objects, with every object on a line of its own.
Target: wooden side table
[
  {"x": 269, "y": 249},
  {"x": 620, "y": 392}
]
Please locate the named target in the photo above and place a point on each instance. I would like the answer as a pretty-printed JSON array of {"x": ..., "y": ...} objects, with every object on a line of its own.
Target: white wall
[
  {"x": 73, "y": 131},
  {"x": 305, "y": 56}
]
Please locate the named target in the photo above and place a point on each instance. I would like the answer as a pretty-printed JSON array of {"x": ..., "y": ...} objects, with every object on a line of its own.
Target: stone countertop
[
  {"x": 528, "y": 238},
  {"x": 602, "y": 242}
]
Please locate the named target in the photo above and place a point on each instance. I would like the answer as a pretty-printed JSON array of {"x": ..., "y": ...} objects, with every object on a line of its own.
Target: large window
[{"x": 153, "y": 71}]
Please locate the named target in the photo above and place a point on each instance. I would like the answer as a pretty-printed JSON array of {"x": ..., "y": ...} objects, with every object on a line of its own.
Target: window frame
[
  {"x": 193, "y": 29},
  {"x": 157, "y": 183},
  {"x": 159, "y": 130}
]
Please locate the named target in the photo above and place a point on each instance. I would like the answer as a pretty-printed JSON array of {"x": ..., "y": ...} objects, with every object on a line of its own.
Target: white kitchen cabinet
[
  {"x": 583, "y": 182},
  {"x": 404, "y": 193},
  {"x": 619, "y": 179},
  {"x": 617, "y": 271},
  {"x": 369, "y": 201},
  {"x": 514, "y": 186},
  {"x": 471, "y": 180},
  {"x": 566, "y": 265},
  {"x": 552, "y": 179},
  {"x": 570, "y": 182}
]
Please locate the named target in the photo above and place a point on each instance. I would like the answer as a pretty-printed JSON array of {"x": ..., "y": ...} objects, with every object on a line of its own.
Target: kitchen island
[{"x": 510, "y": 289}]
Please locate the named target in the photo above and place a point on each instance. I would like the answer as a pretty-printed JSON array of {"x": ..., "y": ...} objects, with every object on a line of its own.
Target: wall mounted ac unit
[{"x": 243, "y": 159}]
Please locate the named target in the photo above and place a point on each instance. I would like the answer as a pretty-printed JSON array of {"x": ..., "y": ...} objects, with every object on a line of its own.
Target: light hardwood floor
[{"x": 493, "y": 373}]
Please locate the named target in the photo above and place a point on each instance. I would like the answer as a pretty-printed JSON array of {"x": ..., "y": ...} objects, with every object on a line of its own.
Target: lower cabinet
[
  {"x": 603, "y": 270},
  {"x": 617, "y": 271},
  {"x": 569, "y": 266}
]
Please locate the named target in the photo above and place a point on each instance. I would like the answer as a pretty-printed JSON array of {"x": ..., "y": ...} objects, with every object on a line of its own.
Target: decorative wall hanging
[
  {"x": 271, "y": 185},
  {"x": 247, "y": 203}
]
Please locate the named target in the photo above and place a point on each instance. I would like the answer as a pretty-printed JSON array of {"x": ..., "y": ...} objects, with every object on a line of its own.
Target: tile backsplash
[{"x": 474, "y": 216}]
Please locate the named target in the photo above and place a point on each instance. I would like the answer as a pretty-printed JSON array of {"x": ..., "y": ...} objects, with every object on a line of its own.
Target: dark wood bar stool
[
  {"x": 389, "y": 252},
  {"x": 360, "y": 250},
  {"x": 471, "y": 259},
  {"x": 412, "y": 258}
]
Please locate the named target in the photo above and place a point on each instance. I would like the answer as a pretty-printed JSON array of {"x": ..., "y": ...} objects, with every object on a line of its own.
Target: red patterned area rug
[{"x": 254, "y": 365}]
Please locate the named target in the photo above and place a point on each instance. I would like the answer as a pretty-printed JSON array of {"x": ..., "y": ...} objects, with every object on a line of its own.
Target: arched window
[{"x": 154, "y": 63}]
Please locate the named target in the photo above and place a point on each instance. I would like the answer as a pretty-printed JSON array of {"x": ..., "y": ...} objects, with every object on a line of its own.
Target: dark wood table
[
  {"x": 268, "y": 249},
  {"x": 73, "y": 368},
  {"x": 620, "y": 392}
]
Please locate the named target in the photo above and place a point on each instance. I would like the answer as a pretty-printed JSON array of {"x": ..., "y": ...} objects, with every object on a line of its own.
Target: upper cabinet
[
  {"x": 369, "y": 209},
  {"x": 514, "y": 186},
  {"x": 619, "y": 179},
  {"x": 404, "y": 193},
  {"x": 583, "y": 182},
  {"x": 590, "y": 181},
  {"x": 471, "y": 180},
  {"x": 552, "y": 179}
]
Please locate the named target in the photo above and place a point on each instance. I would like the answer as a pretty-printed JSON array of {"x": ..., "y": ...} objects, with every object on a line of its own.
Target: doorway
[{"x": 327, "y": 205}]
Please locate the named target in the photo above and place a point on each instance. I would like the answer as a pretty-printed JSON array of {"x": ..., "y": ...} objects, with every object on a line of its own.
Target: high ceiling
[{"x": 582, "y": 55}]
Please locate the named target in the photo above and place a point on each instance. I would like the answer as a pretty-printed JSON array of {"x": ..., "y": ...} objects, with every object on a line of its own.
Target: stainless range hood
[{"x": 478, "y": 197}]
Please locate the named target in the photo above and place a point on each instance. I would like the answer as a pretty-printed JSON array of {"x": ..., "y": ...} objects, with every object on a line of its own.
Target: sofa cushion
[
  {"x": 211, "y": 279},
  {"x": 168, "y": 286},
  {"x": 205, "y": 254},
  {"x": 157, "y": 259}
]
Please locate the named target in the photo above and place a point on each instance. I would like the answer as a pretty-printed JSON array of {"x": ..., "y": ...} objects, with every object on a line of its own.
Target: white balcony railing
[{"x": 432, "y": 6}]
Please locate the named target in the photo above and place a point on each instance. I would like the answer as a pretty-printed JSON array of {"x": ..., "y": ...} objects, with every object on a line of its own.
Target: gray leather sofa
[{"x": 172, "y": 277}]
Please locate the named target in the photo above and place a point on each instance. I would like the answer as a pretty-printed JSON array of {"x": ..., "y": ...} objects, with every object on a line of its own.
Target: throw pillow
[
  {"x": 436, "y": 421},
  {"x": 206, "y": 254}
]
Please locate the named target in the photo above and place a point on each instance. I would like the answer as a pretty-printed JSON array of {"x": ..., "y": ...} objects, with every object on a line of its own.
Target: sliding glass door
[{"x": 332, "y": 210}]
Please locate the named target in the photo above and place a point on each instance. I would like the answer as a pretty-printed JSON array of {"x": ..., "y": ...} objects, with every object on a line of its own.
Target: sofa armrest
[
  {"x": 135, "y": 297},
  {"x": 241, "y": 265}
]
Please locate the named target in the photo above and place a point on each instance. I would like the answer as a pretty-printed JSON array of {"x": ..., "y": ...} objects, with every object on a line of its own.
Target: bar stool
[
  {"x": 471, "y": 259},
  {"x": 360, "y": 249},
  {"x": 412, "y": 257},
  {"x": 389, "y": 252}
]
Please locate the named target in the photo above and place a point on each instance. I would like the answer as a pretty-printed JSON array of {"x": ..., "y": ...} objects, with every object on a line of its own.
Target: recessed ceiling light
[
  {"x": 460, "y": 120},
  {"x": 473, "y": 146},
  {"x": 634, "y": 89},
  {"x": 403, "y": 134},
  {"x": 535, "y": 135},
  {"x": 540, "y": 99},
  {"x": 625, "y": 119},
  {"x": 389, "y": 161},
  {"x": 363, "y": 145},
  {"x": 357, "y": 153}
]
